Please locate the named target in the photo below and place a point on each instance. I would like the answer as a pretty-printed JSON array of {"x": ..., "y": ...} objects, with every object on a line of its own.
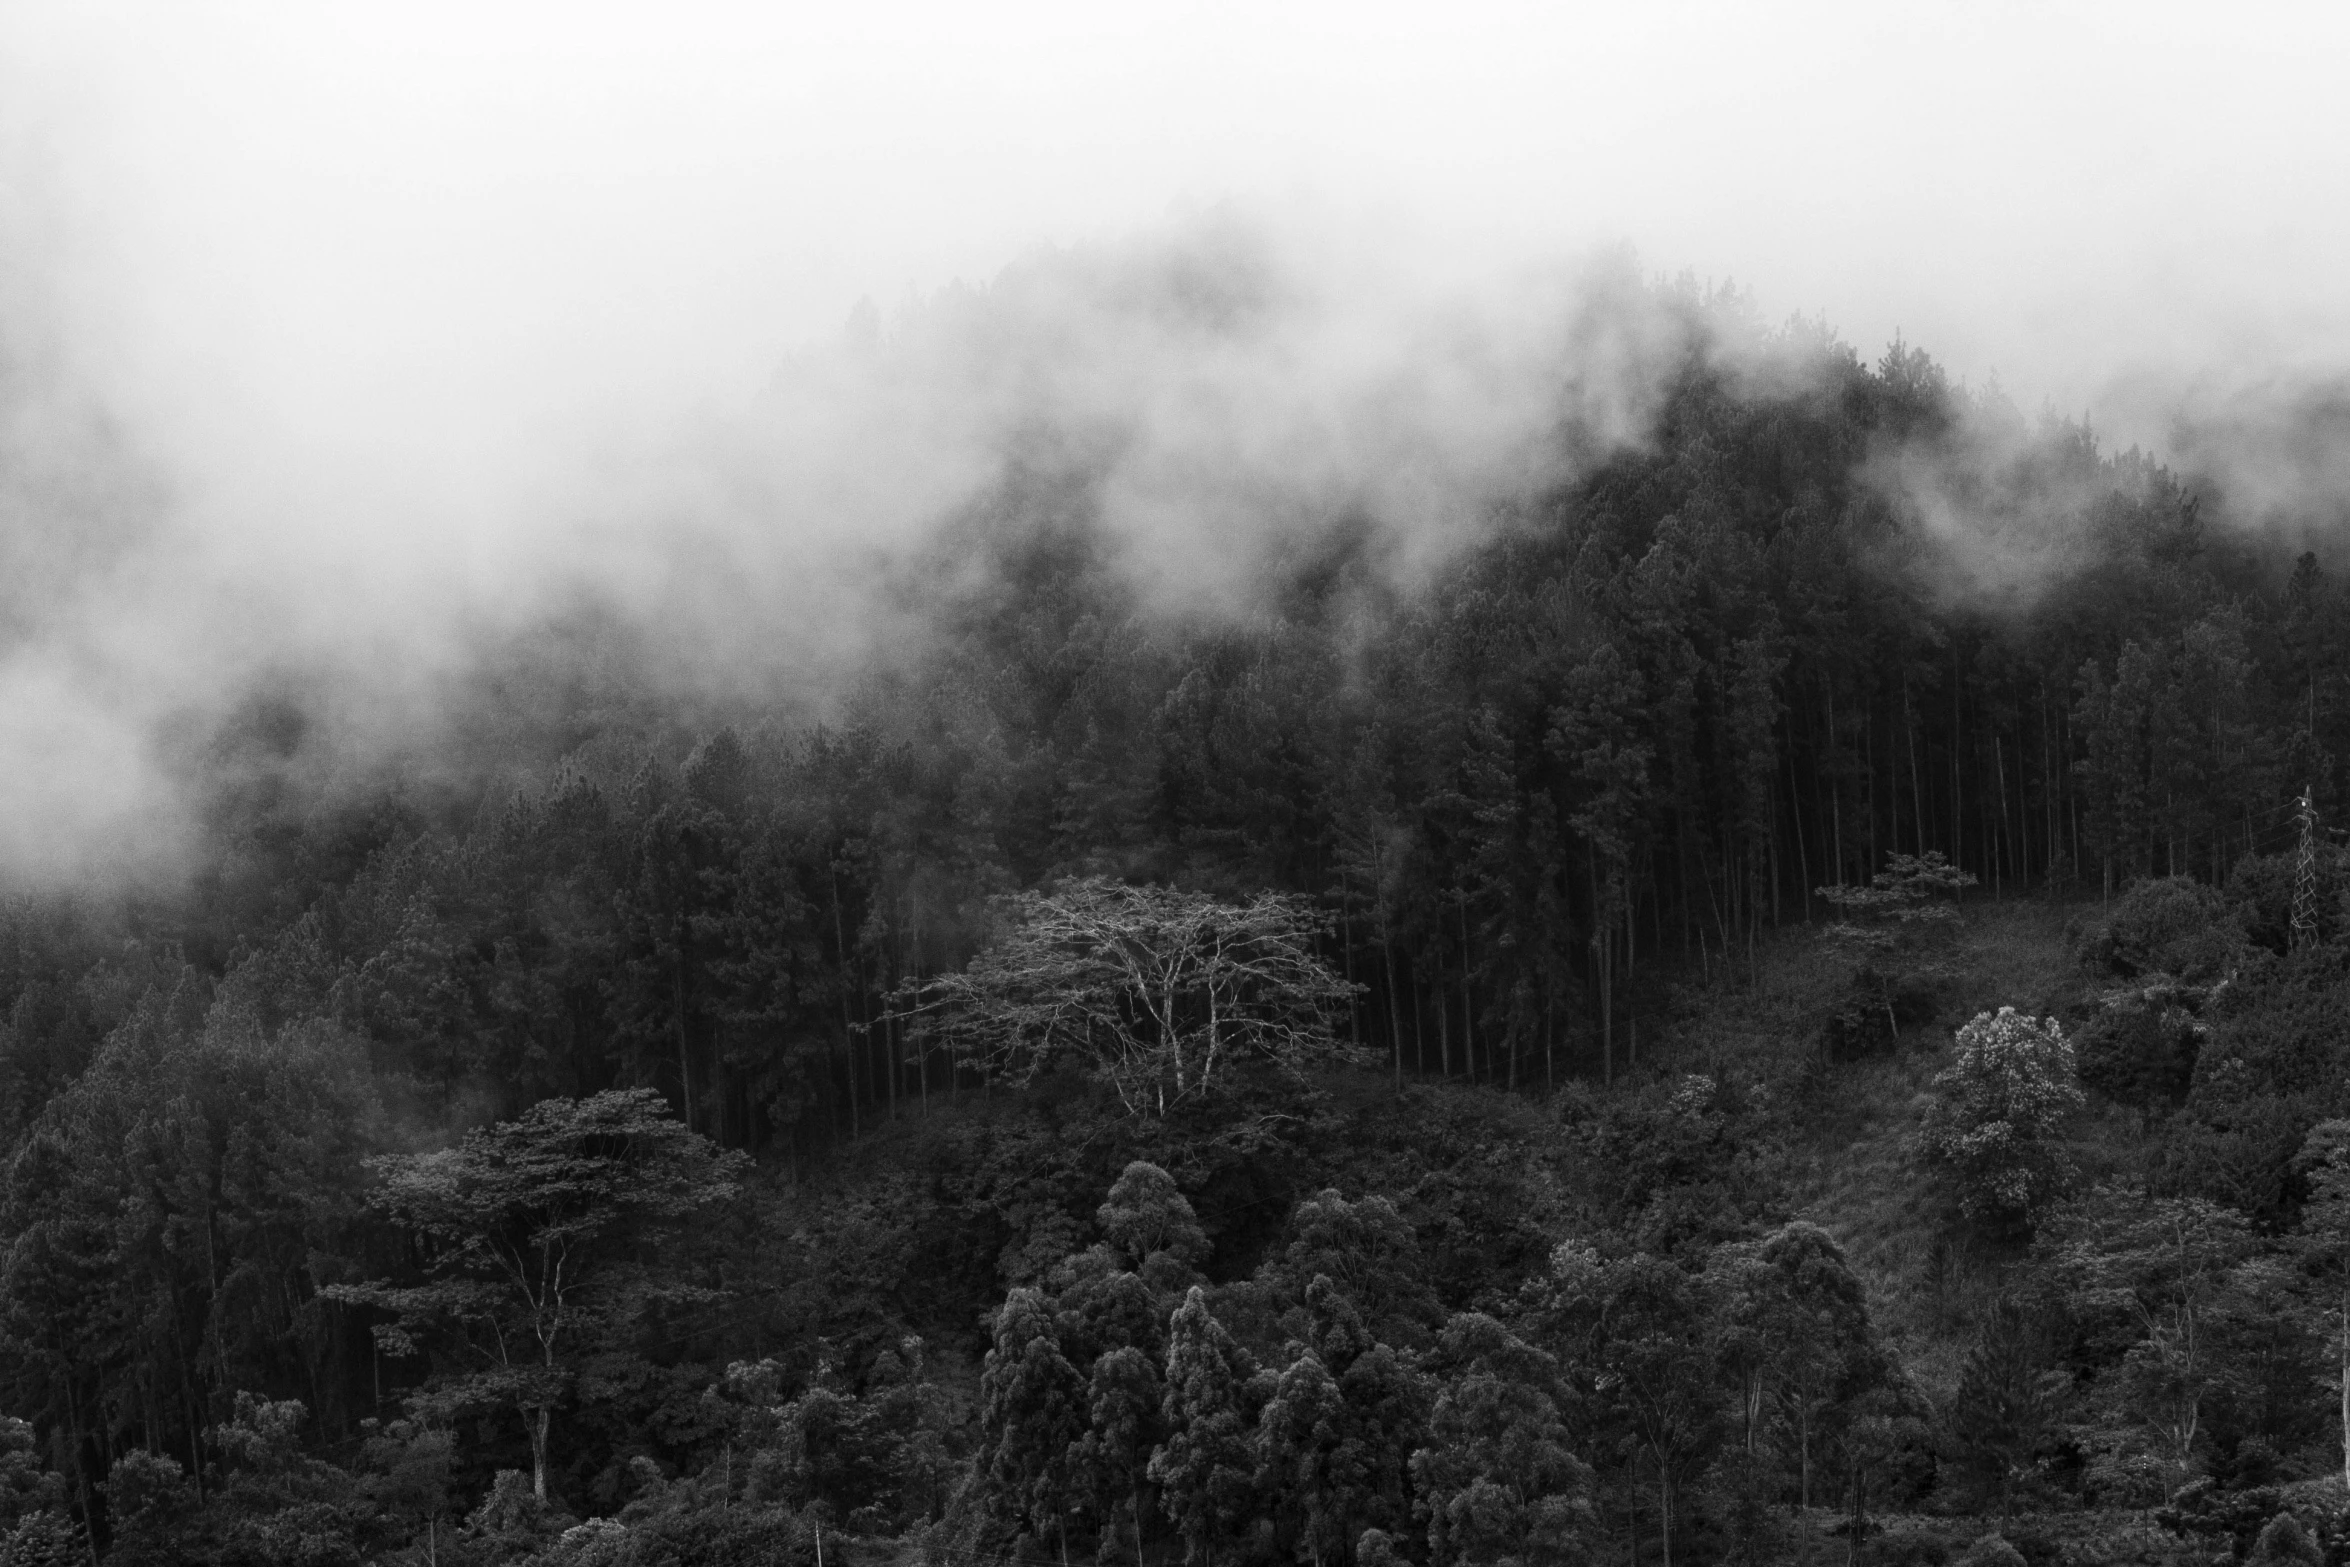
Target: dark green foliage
[
  {"x": 1679, "y": 1165},
  {"x": 2010, "y": 1394},
  {"x": 27, "y": 1486},
  {"x": 2171, "y": 925},
  {"x": 2140, "y": 1048},
  {"x": 1908, "y": 1547},
  {"x": 1034, "y": 1409},
  {"x": 1498, "y": 1480},
  {"x": 35, "y": 1527},
  {"x": 542, "y": 1236},
  {"x": 1992, "y": 1550},
  {"x": 150, "y": 1509},
  {"x": 2273, "y": 1063},
  {"x": 43, "y": 1539},
  {"x": 1365, "y": 1253},
  {"x": 1125, "y": 1422},
  {"x": 1206, "y": 1468},
  {"x": 2284, "y": 1542},
  {"x": 1145, "y": 1216}
]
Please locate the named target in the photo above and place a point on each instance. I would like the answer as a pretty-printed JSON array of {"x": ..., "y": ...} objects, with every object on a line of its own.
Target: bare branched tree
[{"x": 1158, "y": 992}]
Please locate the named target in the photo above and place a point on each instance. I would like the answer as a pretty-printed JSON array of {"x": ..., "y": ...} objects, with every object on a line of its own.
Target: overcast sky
[{"x": 326, "y": 216}]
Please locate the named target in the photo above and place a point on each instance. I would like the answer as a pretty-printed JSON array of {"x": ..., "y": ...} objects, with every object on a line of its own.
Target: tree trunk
[
  {"x": 1664, "y": 1510},
  {"x": 848, "y": 1046},
  {"x": 1835, "y": 789},
  {"x": 1803, "y": 1459},
  {"x": 1443, "y": 1029},
  {"x": 1852, "y": 1534},
  {"x": 538, "y": 1454},
  {"x": 1346, "y": 961},
  {"x": 1917, "y": 797},
  {"x": 81, "y": 1470},
  {"x": 1468, "y": 1004},
  {"x": 1550, "y": 1080},
  {"x": 1394, "y": 1018},
  {"x": 685, "y": 1071},
  {"x": 1802, "y": 850}
]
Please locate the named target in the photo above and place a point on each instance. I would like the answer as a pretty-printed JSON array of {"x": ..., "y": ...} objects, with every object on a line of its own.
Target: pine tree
[
  {"x": 1032, "y": 1413},
  {"x": 1205, "y": 1465},
  {"x": 1124, "y": 1421},
  {"x": 1301, "y": 1467},
  {"x": 2007, "y": 1400}
]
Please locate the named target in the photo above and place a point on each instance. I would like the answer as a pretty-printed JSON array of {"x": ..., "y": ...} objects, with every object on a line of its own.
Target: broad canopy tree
[
  {"x": 1163, "y": 994},
  {"x": 539, "y": 1239}
]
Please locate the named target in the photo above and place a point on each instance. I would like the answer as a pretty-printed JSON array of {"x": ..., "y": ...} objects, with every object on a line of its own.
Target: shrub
[
  {"x": 1908, "y": 1546},
  {"x": 2140, "y": 1050},
  {"x": 2285, "y": 1543},
  {"x": 2167, "y": 925},
  {"x": 1997, "y": 1111},
  {"x": 1992, "y": 1550}
]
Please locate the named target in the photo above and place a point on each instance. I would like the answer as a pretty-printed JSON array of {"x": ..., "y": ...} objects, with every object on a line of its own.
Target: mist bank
[
  {"x": 1204, "y": 401},
  {"x": 1217, "y": 423}
]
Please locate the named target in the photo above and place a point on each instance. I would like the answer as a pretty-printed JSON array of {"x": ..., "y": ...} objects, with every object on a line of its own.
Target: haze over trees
[{"x": 1395, "y": 1071}]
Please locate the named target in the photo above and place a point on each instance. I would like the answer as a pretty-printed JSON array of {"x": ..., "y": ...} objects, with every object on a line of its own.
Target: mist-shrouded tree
[
  {"x": 541, "y": 1237},
  {"x": 1165, "y": 995}
]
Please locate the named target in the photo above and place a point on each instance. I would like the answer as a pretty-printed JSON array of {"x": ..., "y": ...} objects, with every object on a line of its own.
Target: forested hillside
[{"x": 1500, "y": 1063}]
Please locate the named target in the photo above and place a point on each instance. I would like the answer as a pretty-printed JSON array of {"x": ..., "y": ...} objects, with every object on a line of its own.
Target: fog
[{"x": 334, "y": 339}]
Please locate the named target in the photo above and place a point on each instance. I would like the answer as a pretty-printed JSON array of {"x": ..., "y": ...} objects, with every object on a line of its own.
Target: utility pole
[{"x": 2305, "y": 876}]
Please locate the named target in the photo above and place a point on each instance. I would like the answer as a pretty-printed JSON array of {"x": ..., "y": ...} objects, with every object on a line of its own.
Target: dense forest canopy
[{"x": 1241, "y": 1073}]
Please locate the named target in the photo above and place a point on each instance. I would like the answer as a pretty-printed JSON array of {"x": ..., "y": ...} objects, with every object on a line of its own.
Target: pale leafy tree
[
  {"x": 1161, "y": 993},
  {"x": 1998, "y": 1110},
  {"x": 540, "y": 1238}
]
